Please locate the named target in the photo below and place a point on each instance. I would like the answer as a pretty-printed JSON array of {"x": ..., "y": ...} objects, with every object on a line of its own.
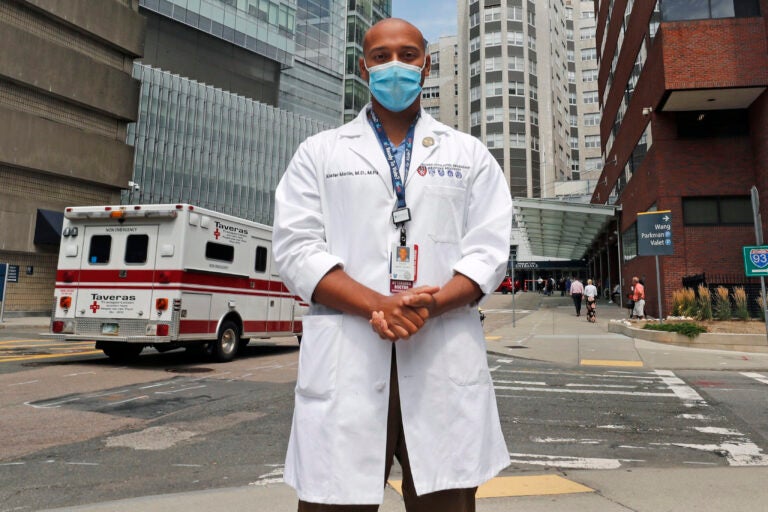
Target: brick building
[{"x": 682, "y": 86}]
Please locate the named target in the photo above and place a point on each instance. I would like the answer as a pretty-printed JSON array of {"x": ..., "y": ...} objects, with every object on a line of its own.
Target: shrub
[
  {"x": 722, "y": 308},
  {"x": 684, "y": 302},
  {"x": 740, "y": 309},
  {"x": 705, "y": 303},
  {"x": 689, "y": 329}
]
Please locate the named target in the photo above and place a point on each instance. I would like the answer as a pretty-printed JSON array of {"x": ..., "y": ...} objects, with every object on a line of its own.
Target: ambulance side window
[
  {"x": 99, "y": 250},
  {"x": 261, "y": 259},
  {"x": 220, "y": 252},
  {"x": 136, "y": 248}
]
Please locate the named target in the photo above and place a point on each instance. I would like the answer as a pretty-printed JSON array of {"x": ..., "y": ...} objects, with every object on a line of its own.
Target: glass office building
[
  {"x": 361, "y": 15},
  {"x": 314, "y": 85},
  {"x": 265, "y": 27},
  {"x": 200, "y": 144}
]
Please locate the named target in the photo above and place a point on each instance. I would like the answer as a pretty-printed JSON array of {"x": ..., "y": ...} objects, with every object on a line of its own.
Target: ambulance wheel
[
  {"x": 225, "y": 347},
  {"x": 122, "y": 351}
]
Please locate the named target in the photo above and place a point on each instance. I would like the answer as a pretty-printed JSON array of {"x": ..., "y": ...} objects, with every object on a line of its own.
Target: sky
[{"x": 435, "y": 18}]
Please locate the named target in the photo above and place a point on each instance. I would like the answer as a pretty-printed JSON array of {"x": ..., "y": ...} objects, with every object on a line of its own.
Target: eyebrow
[{"x": 408, "y": 47}]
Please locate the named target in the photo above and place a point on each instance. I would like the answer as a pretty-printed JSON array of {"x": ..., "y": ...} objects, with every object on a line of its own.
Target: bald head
[{"x": 390, "y": 26}]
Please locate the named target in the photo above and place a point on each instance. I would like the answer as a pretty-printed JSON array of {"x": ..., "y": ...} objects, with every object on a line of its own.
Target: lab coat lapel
[{"x": 364, "y": 144}]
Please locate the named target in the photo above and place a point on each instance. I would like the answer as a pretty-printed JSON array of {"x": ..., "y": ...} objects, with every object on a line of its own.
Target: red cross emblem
[
  {"x": 95, "y": 307},
  {"x": 217, "y": 233}
]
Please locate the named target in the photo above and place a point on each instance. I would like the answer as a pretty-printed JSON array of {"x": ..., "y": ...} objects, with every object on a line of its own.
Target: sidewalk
[{"x": 554, "y": 334}]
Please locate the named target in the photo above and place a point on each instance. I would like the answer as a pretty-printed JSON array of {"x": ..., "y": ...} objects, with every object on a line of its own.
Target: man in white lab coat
[{"x": 393, "y": 359}]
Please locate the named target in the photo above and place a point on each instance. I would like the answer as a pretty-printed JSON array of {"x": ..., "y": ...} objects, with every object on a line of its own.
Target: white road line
[
  {"x": 12, "y": 463},
  {"x": 157, "y": 385},
  {"x": 128, "y": 400},
  {"x": 583, "y": 391},
  {"x": 187, "y": 465},
  {"x": 178, "y": 390},
  {"x": 505, "y": 361},
  {"x": 693, "y": 417},
  {"x": 686, "y": 393},
  {"x": 599, "y": 386},
  {"x": 562, "y": 461},
  {"x": 78, "y": 374},
  {"x": 51, "y": 405},
  {"x": 757, "y": 376},
  {"x": 737, "y": 453},
  {"x": 82, "y": 463},
  {"x": 23, "y": 383},
  {"x": 719, "y": 431}
]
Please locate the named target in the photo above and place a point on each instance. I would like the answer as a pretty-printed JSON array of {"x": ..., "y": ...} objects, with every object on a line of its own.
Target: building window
[
  {"x": 492, "y": 39},
  {"x": 494, "y": 115},
  {"x": 676, "y": 10},
  {"x": 474, "y": 44},
  {"x": 494, "y": 140},
  {"x": 517, "y": 114},
  {"x": 629, "y": 242},
  {"x": 515, "y": 38},
  {"x": 592, "y": 119},
  {"x": 717, "y": 211},
  {"x": 589, "y": 75},
  {"x": 590, "y": 97},
  {"x": 592, "y": 141},
  {"x": 517, "y": 140},
  {"x": 494, "y": 89},
  {"x": 430, "y": 92},
  {"x": 591, "y": 164},
  {"x": 493, "y": 14},
  {"x": 589, "y": 54},
  {"x": 516, "y": 89},
  {"x": 587, "y": 33},
  {"x": 515, "y": 13}
]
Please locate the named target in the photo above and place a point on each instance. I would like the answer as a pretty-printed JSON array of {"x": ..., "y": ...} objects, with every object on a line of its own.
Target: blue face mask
[{"x": 395, "y": 85}]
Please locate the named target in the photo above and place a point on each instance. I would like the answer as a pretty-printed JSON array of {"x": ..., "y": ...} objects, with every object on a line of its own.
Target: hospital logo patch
[{"x": 422, "y": 170}]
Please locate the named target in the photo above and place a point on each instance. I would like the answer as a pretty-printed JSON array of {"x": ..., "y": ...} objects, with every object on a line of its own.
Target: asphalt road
[{"x": 77, "y": 429}]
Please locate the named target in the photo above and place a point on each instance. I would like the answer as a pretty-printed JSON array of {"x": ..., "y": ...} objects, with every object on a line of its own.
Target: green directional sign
[
  {"x": 654, "y": 233},
  {"x": 756, "y": 260}
]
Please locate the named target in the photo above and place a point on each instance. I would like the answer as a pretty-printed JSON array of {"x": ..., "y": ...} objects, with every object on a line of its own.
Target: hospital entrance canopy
[{"x": 558, "y": 229}]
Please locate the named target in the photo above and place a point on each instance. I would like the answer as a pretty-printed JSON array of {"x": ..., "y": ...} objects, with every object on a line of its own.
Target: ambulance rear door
[{"x": 117, "y": 277}]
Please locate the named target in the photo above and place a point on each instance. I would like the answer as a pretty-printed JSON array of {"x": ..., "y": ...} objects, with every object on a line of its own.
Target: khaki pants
[{"x": 452, "y": 500}]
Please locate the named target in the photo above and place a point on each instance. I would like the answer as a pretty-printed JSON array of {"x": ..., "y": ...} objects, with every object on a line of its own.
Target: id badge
[
  {"x": 404, "y": 267},
  {"x": 401, "y": 215}
]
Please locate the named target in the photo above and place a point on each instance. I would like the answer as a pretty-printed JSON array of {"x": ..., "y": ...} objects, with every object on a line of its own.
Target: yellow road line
[
  {"x": 10, "y": 359},
  {"x": 610, "y": 362},
  {"x": 493, "y": 338},
  {"x": 509, "y": 486},
  {"x": 10, "y": 342}
]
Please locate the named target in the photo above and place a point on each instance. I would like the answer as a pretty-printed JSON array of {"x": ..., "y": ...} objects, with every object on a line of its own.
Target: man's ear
[{"x": 363, "y": 70}]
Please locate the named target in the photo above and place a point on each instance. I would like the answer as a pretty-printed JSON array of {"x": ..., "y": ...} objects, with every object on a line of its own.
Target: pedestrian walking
[
  {"x": 590, "y": 296},
  {"x": 393, "y": 359},
  {"x": 577, "y": 292},
  {"x": 638, "y": 296}
]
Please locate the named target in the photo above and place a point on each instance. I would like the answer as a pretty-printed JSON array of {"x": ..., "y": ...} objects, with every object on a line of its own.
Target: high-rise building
[
  {"x": 230, "y": 88},
  {"x": 66, "y": 98},
  {"x": 314, "y": 85},
  {"x": 682, "y": 86},
  {"x": 361, "y": 15},
  {"x": 586, "y": 160},
  {"x": 440, "y": 94},
  {"x": 514, "y": 93}
]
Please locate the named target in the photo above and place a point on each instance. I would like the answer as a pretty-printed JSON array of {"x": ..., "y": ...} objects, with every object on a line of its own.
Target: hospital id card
[{"x": 403, "y": 267}]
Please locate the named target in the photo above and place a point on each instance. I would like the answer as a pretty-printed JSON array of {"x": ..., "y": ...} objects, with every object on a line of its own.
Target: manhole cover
[{"x": 189, "y": 370}]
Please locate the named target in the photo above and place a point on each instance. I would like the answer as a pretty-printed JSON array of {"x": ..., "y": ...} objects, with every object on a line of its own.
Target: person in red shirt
[{"x": 638, "y": 295}]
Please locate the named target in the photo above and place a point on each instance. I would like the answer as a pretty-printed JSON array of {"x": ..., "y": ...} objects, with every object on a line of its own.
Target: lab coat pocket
[
  {"x": 445, "y": 206},
  {"x": 319, "y": 355},
  {"x": 467, "y": 363}
]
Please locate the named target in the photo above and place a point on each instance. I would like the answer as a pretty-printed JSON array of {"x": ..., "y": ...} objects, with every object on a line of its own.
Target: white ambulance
[{"x": 167, "y": 276}]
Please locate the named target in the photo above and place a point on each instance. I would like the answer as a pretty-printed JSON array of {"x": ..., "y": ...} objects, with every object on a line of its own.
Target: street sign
[
  {"x": 654, "y": 233},
  {"x": 13, "y": 273},
  {"x": 756, "y": 260}
]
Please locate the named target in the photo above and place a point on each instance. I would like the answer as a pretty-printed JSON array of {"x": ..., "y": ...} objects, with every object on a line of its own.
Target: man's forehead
[{"x": 391, "y": 33}]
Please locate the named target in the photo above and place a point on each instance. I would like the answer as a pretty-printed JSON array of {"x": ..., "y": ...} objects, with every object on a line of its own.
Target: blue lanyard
[{"x": 389, "y": 153}]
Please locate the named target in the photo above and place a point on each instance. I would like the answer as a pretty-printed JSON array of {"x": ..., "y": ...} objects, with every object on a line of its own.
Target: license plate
[{"x": 110, "y": 329}]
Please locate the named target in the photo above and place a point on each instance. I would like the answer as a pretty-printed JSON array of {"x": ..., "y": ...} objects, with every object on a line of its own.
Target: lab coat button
[{"x": 380, "y": 386}]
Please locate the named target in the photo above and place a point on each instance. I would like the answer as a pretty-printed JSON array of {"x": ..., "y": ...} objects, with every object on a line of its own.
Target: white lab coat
[{"x": 333, "y": 207}]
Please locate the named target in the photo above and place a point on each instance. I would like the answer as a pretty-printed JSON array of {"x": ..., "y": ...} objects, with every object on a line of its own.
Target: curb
[{"x": 755, "y": 343}]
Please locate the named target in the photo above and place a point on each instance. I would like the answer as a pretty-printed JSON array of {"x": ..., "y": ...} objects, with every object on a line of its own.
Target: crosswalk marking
[{"x": 757, "y": 376}]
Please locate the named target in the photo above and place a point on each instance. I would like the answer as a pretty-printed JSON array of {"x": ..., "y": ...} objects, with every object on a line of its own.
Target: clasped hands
[{"x": 401, "y": 315}]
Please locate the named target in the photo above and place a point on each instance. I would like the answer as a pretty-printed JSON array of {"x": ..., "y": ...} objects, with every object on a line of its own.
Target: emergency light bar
[{"x": 119, "y": 212}]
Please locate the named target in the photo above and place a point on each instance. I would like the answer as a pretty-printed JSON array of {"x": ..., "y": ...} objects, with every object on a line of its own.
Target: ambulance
[{"x": 168, "y": 276}]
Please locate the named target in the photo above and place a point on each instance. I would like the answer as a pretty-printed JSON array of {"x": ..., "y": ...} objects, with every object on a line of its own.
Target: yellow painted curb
[
  {"x": 511, "y": 486},
  {"x": 609, "y": 362},
  {"x": 493, "y": 338},
  {"x": 9, "y": 359}
]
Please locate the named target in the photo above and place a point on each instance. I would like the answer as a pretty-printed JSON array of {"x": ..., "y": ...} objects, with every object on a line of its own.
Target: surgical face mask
[{"x": 395, "y": 85}]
